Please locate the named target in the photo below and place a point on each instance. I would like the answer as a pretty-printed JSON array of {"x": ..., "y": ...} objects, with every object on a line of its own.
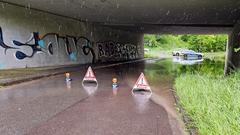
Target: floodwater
[{"x": 51, "y": 106}]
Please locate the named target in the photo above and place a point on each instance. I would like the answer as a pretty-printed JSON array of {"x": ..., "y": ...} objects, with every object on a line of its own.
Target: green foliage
[
  {"x": 165, "y": 42},
  {"x": 211, "y": 102},
  {"x": 206, "y": 43},
  {"x": 199, "y": 43},
  {"x": 151, "y": 41},
  {"x": 148, "y": 55}
]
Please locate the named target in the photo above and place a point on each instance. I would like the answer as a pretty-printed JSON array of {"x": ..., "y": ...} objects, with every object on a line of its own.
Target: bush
[{"x": 199, "y": 43}]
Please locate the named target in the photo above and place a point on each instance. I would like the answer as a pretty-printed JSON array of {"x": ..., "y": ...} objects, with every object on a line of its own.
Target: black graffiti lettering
[
  {"x": 67, "y": 46},
  {"x": 110, "y": 50},
  {"x": 119, "y": 50},
  {"x": 100, "y": 50},
  {"x": 88, "y": 48},
  {"x": 2, "y": 44},
  {"x": 115, "y": 52},
  {"x": 50, "y": 48},
  {"x": 107, "y": 49}
]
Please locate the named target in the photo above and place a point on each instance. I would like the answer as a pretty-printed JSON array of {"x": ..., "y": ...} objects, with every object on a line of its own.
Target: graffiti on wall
[
  {"x": 36, "y": 46},
  {"x": 2, "y": 44},
  {"x": 115, "y": 50},
  {"x": 74, "y": 47},
  {"x": 39, "y": 44}
]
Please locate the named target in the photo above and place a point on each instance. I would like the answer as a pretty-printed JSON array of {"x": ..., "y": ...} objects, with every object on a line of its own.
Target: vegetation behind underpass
[{"x": 210, "y": 45}]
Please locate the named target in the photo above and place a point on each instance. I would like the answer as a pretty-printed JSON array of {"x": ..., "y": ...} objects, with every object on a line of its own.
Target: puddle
[
  {"x": 90, "y": 86},
  {"x": 142, "y": 93},
  {"x": 142, "y": 102},
  {"x": 69, "y": 85},
  {"x": 115, "y": 91}
]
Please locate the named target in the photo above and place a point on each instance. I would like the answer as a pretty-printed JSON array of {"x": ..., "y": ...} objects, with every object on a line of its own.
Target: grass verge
[
  {"x": 157, "y": 53},
  {"x": 11, "y": 73},
  {"x": 212, "y": 103},
  {"x": 150, "y": 55},
  {"x": 215, "y": 55}
]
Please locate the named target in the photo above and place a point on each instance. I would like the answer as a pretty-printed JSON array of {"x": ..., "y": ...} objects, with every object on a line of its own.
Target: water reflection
[
  {"x": 208, "y": 67},
  {"x": 169, "y": 68},
  {"x": 151, "y": 61},
  {"x": 141, "y": 102},
  {"x": 90, "y": 87},
  {"x": 115, "y": 90},
  {"x": 68, "y": 84},
  {"x": 142, "y": 93},
  {"x": 186, "y": 61}
]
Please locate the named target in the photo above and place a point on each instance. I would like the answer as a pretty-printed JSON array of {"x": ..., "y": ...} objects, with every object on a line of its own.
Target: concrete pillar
[{"x": 232, "y": 62}]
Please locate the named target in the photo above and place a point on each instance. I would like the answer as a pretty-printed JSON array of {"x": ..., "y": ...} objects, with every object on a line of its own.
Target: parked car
[
  {"x": 146, "y": 50},
  {"x": 187, "y": 53}
]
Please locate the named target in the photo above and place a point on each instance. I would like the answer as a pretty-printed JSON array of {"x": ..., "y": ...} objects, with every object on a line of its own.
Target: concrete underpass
[{"x": 75, "y": 34}]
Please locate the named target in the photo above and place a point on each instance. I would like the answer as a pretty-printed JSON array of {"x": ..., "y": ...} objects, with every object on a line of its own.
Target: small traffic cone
[
  {"x": 68, "y": 77},
  {"x": 114, "y": 84}
]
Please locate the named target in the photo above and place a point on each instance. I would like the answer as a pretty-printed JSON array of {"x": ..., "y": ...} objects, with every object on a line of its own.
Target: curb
[{"x": 8, "y": 83}]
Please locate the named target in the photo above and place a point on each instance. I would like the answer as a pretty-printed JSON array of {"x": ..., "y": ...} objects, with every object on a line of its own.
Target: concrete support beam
[
  {"x": 232, "y": 62},
  {"x": 177, "y": 29}
]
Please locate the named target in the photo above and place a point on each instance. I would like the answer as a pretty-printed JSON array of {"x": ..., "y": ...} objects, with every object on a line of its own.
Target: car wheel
[
  {"x": 177, "y": 54},
  {"x": 185, "y": 56}
]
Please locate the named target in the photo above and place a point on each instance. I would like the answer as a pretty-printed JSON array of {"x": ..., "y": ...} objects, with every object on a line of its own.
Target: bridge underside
[
  {"x": 109, "y": 24},
  {"x": 141, "y": 12}
]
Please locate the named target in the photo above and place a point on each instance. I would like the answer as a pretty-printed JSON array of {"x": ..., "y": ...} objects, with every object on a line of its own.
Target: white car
[{"x": 146, "y": 50}]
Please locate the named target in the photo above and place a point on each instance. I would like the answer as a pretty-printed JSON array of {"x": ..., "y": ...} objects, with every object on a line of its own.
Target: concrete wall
[
  {"x": 232, "y": 62},
  {"x": 30, "y": 38}
]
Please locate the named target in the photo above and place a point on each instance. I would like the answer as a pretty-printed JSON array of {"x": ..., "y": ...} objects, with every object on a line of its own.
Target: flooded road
[{"x": 51, "y": 106}]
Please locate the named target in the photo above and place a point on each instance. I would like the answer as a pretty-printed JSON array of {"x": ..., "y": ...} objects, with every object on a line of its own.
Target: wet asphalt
[{"x": 50, "y": 106}]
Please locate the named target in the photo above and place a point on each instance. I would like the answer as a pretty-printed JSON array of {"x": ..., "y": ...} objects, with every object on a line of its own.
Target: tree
[{"x": 199, "y": 43}]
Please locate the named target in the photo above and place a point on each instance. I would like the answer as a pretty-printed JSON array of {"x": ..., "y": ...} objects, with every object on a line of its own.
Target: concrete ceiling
[{"x": 143, "y": 15}]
